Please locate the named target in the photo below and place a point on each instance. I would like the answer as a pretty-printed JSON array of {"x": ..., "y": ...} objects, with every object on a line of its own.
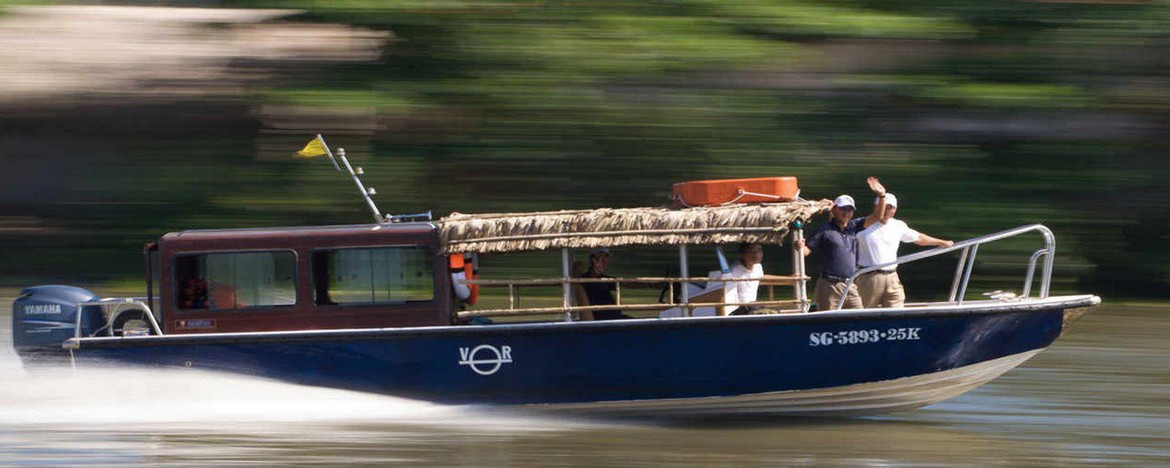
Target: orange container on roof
[{"x": 723, "y": 191}]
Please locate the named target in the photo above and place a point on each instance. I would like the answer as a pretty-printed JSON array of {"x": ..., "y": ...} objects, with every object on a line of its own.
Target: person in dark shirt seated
[
  {"x": 194, "y": 294},
  {"x": 601, "y": 293}
]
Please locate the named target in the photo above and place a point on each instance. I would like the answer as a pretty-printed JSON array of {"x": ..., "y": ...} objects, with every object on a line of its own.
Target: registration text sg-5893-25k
[{"x": 870, "y": 335}]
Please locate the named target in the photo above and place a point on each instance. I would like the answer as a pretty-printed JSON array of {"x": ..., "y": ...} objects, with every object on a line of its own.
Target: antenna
[{"x": 368, "y": 192}]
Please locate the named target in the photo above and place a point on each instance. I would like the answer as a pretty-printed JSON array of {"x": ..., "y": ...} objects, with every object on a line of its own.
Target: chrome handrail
[
  {"x": 111, "y": 307},
  {"x": 970, "y": 248}
]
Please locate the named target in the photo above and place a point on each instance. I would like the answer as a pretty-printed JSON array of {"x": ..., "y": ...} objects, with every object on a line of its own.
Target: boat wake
[{"x": 179, "y": 397}]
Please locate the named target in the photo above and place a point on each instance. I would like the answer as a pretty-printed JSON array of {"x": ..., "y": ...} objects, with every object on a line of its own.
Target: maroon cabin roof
[{"x": 259, "y": 238}]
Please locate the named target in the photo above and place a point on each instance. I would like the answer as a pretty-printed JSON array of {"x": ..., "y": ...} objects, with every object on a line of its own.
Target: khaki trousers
[
  {"x": 828, "y": 293},
  {"x": 881, "y": 290}
]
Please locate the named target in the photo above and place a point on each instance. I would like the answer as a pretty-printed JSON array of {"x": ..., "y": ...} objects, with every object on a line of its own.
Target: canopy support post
[
  {"x": 566, "y": 290},
  {"x": 800, "y": 288}
]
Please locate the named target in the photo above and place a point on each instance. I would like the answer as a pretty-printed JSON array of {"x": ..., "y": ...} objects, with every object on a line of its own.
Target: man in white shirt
[{"x": 878, "y": 244}]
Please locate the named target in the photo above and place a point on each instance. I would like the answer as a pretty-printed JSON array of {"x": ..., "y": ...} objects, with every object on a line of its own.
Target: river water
[{"x": 1100, "y": 395}]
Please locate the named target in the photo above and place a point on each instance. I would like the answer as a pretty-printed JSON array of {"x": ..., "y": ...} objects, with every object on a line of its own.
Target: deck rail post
[
  {"x": 1049, "y": 259},
  {"x": 1031, "y": 271},
  {"x": 958, "y": 274},
  {"x": 967, "y": 274}
]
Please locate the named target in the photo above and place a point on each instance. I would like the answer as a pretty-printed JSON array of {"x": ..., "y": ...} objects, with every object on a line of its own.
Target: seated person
[
  {"x": 600, "y": 293},
  {"x": 194, "y": 294},
  {"x": 742, "y": 292}
]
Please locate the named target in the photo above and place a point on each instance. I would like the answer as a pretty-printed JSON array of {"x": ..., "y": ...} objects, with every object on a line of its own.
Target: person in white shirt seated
[
  {"x": 744, "y": 292},
  {"x": 731, "y": 292},
  {"x": 878, "y": 244}
]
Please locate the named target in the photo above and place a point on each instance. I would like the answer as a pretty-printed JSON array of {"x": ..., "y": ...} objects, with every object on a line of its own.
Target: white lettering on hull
[
  {"x": 485, "y": 359},
  {"x": 853, "y": 337}
]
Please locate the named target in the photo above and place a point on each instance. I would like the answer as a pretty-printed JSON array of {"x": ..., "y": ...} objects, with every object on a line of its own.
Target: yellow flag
[{"x": 313, "y": 149}]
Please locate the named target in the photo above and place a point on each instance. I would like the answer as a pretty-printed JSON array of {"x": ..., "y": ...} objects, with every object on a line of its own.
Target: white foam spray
[{"x": 124, "y": 397}]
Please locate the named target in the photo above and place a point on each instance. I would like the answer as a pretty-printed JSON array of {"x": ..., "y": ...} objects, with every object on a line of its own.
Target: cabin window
[
  {"x": 382, "y": 275},
  {"x": 235, "y": 280}
]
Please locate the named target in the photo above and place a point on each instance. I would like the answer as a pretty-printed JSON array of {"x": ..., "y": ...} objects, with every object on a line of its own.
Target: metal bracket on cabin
[{"x": 407, "y": 218}]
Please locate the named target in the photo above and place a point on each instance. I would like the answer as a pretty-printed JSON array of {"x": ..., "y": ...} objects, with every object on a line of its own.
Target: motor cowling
[{"x": 43, "y": 317}]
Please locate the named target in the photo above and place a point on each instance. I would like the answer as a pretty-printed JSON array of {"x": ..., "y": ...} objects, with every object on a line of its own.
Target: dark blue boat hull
[{"x": 565, "y": 363}]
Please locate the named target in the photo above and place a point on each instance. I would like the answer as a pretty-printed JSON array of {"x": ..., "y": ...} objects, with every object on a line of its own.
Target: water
[{"x": 1101, "y": 395}]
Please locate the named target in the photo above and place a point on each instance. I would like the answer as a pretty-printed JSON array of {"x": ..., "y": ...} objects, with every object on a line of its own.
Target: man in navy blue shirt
[{"x": 835, "y": 242}]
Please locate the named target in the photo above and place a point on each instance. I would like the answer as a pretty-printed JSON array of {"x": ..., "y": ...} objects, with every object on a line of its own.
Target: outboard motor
[{"x": 43, "y": 317}]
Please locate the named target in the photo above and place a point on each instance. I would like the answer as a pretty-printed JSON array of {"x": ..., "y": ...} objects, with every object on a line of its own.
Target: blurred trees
[{"x": 979, "y": 115}]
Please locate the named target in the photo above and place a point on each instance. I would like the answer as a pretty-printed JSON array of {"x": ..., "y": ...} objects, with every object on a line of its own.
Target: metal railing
[
  {"x": 111, "y": 308},
  {"x": 797, "y": 280},
  {"x": 970, "y": 248},
  {"x": 671, "y": 300}
]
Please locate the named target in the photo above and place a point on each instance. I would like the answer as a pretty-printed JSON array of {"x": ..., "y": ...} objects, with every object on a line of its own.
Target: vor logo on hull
[{"x": 485, "y": 359}]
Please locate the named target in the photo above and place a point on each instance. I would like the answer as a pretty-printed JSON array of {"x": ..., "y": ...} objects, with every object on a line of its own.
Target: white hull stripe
[{"x": 850, "y": 400}]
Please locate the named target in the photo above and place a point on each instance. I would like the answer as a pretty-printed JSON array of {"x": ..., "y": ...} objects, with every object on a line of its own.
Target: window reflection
[{"x": 383, "y": 275}]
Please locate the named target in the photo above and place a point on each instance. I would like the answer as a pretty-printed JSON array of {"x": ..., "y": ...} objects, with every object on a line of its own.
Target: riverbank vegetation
[{"x": 981, "y": 116}]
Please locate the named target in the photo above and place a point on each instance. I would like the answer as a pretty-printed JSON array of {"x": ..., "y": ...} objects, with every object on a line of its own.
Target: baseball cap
[
  {"x": 891, "y": 200},
  {"x": 843, "y": 201}
]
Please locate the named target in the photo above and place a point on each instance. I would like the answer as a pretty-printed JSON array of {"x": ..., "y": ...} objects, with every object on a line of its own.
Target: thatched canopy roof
[{"x": 609, "y": 227}]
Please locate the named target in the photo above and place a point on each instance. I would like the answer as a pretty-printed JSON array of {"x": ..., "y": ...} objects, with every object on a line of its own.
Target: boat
[{"x": 390, "y": 307}]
